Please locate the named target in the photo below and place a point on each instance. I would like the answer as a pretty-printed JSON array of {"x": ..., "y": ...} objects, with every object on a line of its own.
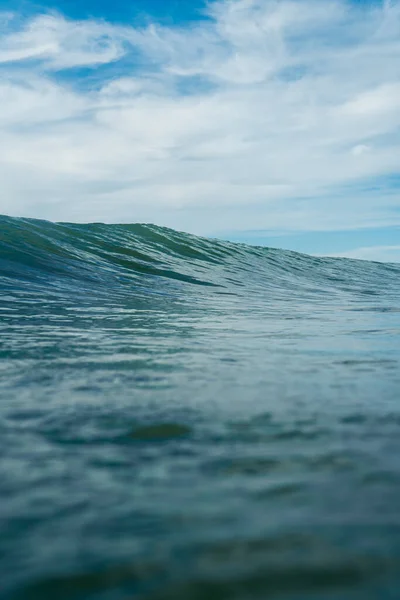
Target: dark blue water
[{"x": 183, "y": 418}]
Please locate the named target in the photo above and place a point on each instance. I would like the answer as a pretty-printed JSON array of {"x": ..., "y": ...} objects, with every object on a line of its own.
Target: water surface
[{"x": 189, "y": 418}]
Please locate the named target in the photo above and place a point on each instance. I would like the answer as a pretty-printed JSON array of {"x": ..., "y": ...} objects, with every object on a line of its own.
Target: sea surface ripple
[{"x": 186, "y": 418}]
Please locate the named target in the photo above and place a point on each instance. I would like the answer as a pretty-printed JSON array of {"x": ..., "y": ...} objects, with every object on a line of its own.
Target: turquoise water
[{"x": 183, "y": 418}]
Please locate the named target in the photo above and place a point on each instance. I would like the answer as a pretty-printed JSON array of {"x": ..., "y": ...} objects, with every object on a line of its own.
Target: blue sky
[
  {"x": 261, "y": 121},
  {"x": 369, "y": 244},
  {"x": 117, "y": 11}
]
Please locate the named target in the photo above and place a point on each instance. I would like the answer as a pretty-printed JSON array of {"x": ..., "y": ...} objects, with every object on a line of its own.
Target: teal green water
[{"x": 183, "y": 418}]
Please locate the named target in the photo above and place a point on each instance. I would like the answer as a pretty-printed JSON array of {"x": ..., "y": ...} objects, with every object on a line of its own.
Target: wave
[{"x": 160, "y": 260}]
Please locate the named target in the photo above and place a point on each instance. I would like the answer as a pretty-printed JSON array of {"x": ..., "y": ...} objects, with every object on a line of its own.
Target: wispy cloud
[
  {"x": 59, "y": 43},
  {"x": 264, "y": 115}
]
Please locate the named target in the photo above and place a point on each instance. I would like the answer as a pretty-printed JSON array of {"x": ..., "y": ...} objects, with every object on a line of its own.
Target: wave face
[
  {"x": 190, "y": 418},
  {"x": 157, "y": 260}
]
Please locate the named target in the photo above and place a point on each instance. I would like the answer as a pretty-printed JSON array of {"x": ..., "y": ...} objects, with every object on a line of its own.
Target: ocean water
[{"x": 183, "y": 418}]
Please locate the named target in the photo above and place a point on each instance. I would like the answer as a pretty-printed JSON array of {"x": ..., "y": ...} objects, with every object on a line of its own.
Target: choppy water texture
[{"x": 183, "y": 418}]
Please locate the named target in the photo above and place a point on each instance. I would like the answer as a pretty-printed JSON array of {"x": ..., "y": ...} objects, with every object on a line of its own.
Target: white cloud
[
  {"x": 266, "y": 115},
  {"x": 60, "y": 43},
  {"x": 360, "y": 149}
]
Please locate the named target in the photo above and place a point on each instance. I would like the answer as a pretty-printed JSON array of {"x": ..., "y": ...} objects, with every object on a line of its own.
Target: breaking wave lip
[{"x": 137, "y": 255}]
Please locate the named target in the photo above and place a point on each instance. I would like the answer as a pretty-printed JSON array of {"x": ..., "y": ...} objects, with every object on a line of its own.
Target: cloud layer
[{"x": 264, "y": 114}]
